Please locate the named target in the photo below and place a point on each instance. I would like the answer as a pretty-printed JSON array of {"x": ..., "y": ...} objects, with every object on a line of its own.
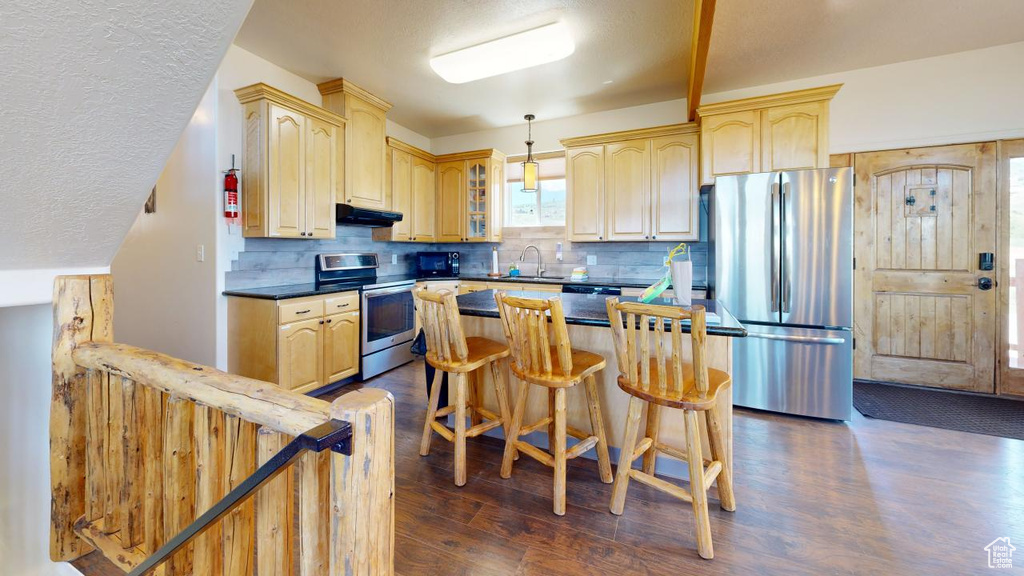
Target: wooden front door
[{"x": 922, "y": 218}]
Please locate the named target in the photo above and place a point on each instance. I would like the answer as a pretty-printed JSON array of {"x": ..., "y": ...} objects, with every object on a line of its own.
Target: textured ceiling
[
  {"x": 757, "y": 42},
  {"x": 385, "y": 46},
  {"x": 94, "y": 96},
  {"x": 642, "y": 45}
]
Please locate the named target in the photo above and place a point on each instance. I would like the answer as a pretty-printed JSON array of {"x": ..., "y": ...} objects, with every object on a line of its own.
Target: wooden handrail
[
  {"x": 143, "y": 444},
  {"x": 252, "y": 400}
]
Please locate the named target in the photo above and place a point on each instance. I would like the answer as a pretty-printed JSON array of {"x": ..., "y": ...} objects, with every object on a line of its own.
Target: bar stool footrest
[{"x": 581, "y": 447}]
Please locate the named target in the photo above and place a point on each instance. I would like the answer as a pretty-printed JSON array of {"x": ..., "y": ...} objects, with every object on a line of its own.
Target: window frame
[{"x": 509, "y": 191}]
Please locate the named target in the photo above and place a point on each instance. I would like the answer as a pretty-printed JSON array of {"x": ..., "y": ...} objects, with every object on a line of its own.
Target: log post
[
  {"x": 82, "y": 311},
  {"x": 363, "y": 486}
]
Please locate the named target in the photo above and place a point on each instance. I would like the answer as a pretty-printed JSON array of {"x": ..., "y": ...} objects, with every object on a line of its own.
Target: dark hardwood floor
[{"x": 866, "y": 497}]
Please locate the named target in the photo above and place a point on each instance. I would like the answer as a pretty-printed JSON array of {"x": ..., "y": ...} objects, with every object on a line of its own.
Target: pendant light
[{"x": 530, "y": 166}]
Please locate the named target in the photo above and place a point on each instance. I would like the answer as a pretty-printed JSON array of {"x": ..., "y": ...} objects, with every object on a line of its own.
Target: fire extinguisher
[{"x": 231, "y": 193}]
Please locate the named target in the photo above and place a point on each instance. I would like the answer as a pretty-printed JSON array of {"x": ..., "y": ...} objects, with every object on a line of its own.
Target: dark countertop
[
  {"x": 589, "y": 310},
  {"x": 309, "y": 289}
]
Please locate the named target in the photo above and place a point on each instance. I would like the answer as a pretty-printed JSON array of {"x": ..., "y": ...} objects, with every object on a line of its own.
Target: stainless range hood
[{"x": 352, "y": 215}]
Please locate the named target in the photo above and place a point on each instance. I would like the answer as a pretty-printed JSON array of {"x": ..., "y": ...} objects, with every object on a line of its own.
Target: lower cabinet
[{"x": 301, "y": 344}]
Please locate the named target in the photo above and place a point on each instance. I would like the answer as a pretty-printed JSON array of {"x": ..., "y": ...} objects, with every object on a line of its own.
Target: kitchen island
[{"x": 588, "y": 326}]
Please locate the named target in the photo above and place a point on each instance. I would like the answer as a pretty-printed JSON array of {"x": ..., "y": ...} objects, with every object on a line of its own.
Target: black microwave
[{"x": 439, "y": 264}]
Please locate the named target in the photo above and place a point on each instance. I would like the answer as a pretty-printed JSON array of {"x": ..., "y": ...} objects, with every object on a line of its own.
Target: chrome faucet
[{"x": 540, "y": 261}]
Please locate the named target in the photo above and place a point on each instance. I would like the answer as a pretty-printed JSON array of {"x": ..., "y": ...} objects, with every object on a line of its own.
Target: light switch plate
[
  {"x": 394, "y": 258},
  {"x": 200, "y": 253},
  {"x": 591, "y": 260}
]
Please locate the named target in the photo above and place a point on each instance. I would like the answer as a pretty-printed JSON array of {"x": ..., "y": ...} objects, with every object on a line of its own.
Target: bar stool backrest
[
  {"x": 442, "y": 326},
  {"x": 525, "y": 321},
  {"x": 633, "y": 344}
]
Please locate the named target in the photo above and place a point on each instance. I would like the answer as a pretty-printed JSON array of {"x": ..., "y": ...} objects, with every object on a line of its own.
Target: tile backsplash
[{"x": 273, "y": 261}]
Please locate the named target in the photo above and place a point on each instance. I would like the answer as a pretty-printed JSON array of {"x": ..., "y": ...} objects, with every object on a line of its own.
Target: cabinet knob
[
  {"x": 302, "y": 233},
  {"x": 321, "y": 321},
  {"x": 600, "y": 237},
  {"x": 328, "y": 320},
  {"x": 647, "y": 237},
  {"x": 655, "y": 237}
]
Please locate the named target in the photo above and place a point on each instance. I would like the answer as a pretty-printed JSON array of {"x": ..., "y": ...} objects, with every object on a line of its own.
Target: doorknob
[{"x": 984, "y": 283}]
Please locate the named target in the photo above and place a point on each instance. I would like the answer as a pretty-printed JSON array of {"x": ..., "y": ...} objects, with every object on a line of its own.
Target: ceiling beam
[{"x": 703, "y": 17}]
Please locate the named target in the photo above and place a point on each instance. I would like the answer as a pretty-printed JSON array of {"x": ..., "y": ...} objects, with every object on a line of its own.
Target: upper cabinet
[
  {"x": 289, "y": 165},
  {"x": 635, "y": 185},
  {"x": 365, "y": 151},
  {"x": 469, "y": 189},
  {"x": 411, "y": 188},
  {"x": 786, "y": 131}
]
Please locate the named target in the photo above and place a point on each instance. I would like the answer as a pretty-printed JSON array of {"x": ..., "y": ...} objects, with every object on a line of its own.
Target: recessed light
[{"x": 524, "y": 50}]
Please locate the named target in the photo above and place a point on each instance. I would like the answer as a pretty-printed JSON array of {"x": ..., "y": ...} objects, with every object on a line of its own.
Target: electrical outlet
[
  {"x": 591, "y": 260},
  {"x": 394, "y": 258},
  {"x": 200, "y": 253},
  {"x": 558, "y": 252}
]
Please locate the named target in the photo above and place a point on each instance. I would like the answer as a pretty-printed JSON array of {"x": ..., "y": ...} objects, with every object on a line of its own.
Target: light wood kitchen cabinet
[
  {"x": 451, "y": 189},
  {"x": 411, "y": 186},
  {"x": 365, "y": 152},
  {"x": 787, "y": 131},
  {"x": 627, "y": 189},
  {"x": 300, "y": 355},
  {"x": 289, "y": 165},
  {"x": 584, "y": 184},
  {"x": 469, "y": 190},
  {"x": 341, "y": 358},
  {"x": 301, "y": 344},
  {"x": 633, "y": 186}
]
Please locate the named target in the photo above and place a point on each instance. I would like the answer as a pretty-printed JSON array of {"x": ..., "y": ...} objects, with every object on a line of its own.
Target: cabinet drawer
[
  {"x": 300, "y": 310},
  {"x": 347, "y": 302}
]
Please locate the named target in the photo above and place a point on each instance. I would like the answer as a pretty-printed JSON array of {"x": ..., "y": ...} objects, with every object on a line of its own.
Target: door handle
[
  {"x": 786, "y": 286},
  {"x": 800, "y": 339},
  {"x": 985, "y": 283},
  {"x": 772, "y": 251}
]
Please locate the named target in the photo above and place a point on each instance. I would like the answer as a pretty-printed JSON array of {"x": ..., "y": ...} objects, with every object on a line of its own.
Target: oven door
[{"x": 389, "y": 317}]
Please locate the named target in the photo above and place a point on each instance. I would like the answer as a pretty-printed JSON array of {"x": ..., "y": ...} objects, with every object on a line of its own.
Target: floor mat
[{"x": 941, "y": 409}]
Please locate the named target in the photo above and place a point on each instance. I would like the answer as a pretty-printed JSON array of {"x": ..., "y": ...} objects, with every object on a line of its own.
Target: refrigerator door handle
[
  {"x": 801, "y": 339},
  {"x": 786, "y": 285},
  {"x": 776, "y": 239}
]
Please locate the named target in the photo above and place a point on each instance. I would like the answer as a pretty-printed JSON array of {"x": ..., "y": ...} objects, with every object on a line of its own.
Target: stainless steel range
[{"x": 388, "y": 314}]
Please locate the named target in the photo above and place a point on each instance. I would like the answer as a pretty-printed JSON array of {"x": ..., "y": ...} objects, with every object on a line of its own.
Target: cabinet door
[
  {"x": 730, "y": 144},
  {"x": 585, "y": 189},
  {"x": 451, "y": 189},
  {"x": 628, "y": 190},
  {"x": 254, "y": 167},
  {"x": 495, "y": 208},
  {"x": 794, "y": 137},
  {"x": 477, "y": 200},
  {"x": 300, "y": 348},
  {"x": 365, "y": 155},
  {"x": 675, "y": 194},
  {"x": 320, "y": 179},
  {"x": 287, "y": 172},
  {"x": 341, "y": 346},
  {"x": 423, "y": 219},
  {"x": 401, "y": 193}
]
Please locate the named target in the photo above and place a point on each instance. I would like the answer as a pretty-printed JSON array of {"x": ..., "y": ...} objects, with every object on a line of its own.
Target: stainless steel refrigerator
[{"x": 783, "y": 246}]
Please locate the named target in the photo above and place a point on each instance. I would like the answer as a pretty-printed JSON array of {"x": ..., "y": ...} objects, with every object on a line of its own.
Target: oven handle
[{"x": 385, "y": 291}]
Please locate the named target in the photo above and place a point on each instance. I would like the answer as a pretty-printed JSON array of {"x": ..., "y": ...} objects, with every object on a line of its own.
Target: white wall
[
  {"x": 965, "y": 97},
  {"x": 164, "y": 298},
  {"x": 25, "y": 339}
]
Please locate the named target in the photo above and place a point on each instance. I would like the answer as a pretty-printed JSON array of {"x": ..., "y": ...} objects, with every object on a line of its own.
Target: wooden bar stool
[
  {"x": 465, "y": 359},
  {"x": 665, "y": 380},
  {"x": 525, "y": 321}
]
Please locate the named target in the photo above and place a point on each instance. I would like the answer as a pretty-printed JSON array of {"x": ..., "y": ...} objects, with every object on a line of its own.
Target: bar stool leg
[
  {"x": 698, "y": 490},
  {"x": 551, "y": 425},
  {"x": 653, "y": 427},
  {"x": 473, "y": 386},
  {"x": 559, "y": 452},
  {"x": 724, "y": 481},
  {"x": 513, "y": 430},
  {"x": 636, "y": 406},
  {"x": 435, "y": 393},
  {"x": 501, "y": 391},
  {"x": 460, "y": 429},
  {"x": 604, "y": 464}
]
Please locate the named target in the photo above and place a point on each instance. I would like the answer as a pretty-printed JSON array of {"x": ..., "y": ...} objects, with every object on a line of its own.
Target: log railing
[{"x": 142, "y": 444}]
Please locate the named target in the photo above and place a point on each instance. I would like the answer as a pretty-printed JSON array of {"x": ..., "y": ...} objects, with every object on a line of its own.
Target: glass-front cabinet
[{"x": 470, "y": 185}]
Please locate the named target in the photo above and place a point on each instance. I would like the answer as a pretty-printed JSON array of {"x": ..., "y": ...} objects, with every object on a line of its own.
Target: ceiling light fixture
[
  {"x": 530, "y": 166},
  {"x": 524, "y": 50}
]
